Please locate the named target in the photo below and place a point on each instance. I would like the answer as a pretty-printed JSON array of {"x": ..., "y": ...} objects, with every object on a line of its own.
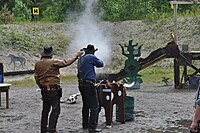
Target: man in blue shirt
[{"x": 86, "y": 77}]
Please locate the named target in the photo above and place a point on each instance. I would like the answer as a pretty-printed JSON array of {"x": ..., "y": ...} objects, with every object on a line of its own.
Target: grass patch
[
  {"x": 155, "y": 74},
  {"x": 69, "y": 79},
  {"x": 152, "y": 74},
  {"x": 24, "y": 83},
  {"x": 30, "y": 82}
]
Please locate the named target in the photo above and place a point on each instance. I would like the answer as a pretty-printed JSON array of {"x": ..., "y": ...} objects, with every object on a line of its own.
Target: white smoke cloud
[{"x": 86, "y": 30}]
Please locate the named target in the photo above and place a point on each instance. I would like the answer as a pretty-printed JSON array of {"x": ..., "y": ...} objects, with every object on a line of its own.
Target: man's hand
[
  {"x": 79, "y": 53},
  {"x": 193, "y": 127}
]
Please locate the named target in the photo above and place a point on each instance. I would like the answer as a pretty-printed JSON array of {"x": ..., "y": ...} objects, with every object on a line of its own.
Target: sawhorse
[{"x": 110, "y": 94}]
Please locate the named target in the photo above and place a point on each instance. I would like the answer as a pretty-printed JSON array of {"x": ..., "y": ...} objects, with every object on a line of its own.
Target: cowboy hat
[
  {"x": 90, "y": 49},
  {"x": 48, "y": 51}
]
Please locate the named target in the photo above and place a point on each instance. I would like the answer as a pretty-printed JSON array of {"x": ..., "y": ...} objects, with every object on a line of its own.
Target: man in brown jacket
[{"x": 47, "y": 77}]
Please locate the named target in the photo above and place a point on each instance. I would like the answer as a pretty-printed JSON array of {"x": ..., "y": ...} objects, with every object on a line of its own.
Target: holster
[
  {"x": 60, "y": 91},
  {"x": 52, "y": 88}
]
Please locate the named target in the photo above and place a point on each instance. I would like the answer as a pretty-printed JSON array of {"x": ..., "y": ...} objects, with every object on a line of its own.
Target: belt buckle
[
  {"x": 48, "y": 88},
  {"x": 89, "y": 81}
]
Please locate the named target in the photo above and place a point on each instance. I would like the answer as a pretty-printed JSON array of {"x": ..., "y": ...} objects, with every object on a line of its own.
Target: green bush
[
  {"x": 2, "y": 14},
  {"x": 116, "y": 10},
  {"x": 53, "y": 12},
  {"x": 21, "y": 11}
]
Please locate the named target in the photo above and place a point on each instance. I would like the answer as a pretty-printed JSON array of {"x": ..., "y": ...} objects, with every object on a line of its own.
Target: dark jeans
[
  {"x": 90, "y": 109},
  {"x": 51, "y": 99}
]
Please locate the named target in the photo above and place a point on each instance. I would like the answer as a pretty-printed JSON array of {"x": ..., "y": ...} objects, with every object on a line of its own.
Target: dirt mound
[{"x": 27, "y": 40}]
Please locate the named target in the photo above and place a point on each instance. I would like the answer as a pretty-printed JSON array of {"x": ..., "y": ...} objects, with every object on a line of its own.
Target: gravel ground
[{"x": 157, "y": 109}]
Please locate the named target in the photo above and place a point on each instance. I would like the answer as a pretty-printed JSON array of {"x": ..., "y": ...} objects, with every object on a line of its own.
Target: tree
[
  {"x": 21, "y": 11},
  {"x": 9, "y": 3}
]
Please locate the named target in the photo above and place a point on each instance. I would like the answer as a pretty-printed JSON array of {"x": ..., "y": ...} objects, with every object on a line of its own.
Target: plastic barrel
[
  {"x": 194, "y": 82},
  {"x": 1, "y": 73},
  {"x": 129, "y": 109}
]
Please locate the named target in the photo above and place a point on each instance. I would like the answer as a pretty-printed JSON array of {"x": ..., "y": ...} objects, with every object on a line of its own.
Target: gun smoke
[{"x": 86, "y": 30}]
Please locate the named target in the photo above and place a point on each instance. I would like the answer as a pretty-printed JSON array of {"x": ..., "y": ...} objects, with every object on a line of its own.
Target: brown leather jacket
[{"x": 47, "y": 70}]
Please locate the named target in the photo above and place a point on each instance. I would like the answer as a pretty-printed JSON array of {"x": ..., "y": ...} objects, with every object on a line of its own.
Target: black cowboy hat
[
  {"x": 48, "y": 51},
  {"x": 90, "y": 49}
]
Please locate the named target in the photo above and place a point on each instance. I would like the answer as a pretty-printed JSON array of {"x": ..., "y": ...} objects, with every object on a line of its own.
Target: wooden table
[{"x": 5, "y": 88}]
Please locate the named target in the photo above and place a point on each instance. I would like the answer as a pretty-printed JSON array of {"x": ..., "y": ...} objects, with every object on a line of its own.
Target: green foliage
[
  {"x": 122, "y": 9},
  {"x": 9, "y": 4},
  {"x": 56, "y": 11},
  {"x": 160, "y": 5},
  {"x": 2, "y": 14},
  {"x": 116, "y": 10},
  {"x": 53, "y": 12},
  {"x": 4, "y": 9},
  {"x": 21, "y": 11}
]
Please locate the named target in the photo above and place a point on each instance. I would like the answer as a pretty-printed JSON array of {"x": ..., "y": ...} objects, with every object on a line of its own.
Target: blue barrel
[
  {"x": 1, "y": 73},
  {"x": 129, "y": 109},
  {"x": 194, "y": 82}
]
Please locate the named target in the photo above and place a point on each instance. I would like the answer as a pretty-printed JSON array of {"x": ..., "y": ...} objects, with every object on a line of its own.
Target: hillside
[{"x": 27, "y": 40}]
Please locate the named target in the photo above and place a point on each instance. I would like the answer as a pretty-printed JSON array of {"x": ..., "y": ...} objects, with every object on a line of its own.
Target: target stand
[{"x": 110, "y": 94}]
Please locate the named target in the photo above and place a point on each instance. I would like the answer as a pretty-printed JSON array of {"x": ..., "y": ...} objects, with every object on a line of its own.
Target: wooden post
[
  {"x": 175, "y": 24},
  {"x": 175, "y": 4},
  {"x": 1, "y": 78},
  {"x": 176, "y": 74},
  {"x": 184, "y": 2},
  {"x": 176, "y": 65}
]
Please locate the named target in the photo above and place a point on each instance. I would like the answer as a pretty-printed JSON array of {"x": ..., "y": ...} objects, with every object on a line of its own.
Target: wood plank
[
  {"x": 4, "y": 85},
  {"x": 18, "y": 73},
  {"x": 184, "y": 2}
]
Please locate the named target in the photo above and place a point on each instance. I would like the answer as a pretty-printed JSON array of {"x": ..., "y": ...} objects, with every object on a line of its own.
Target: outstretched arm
[
  {"x": 194, "y": 125},
  {"x": 70, "y": 60}
]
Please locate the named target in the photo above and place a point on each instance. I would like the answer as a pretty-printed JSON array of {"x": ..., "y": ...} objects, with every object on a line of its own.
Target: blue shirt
[{"x": 86, "y": 64}]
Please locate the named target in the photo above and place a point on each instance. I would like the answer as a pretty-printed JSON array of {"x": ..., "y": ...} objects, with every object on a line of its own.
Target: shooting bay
[
  {"x": 158, "y": 106},
  {"x": 157, "y": 109}
]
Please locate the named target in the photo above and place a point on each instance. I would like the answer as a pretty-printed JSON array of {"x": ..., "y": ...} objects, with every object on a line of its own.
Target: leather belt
[
  {"x": 50, "y": 87},
  {"x": 86, "y": 81}
]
